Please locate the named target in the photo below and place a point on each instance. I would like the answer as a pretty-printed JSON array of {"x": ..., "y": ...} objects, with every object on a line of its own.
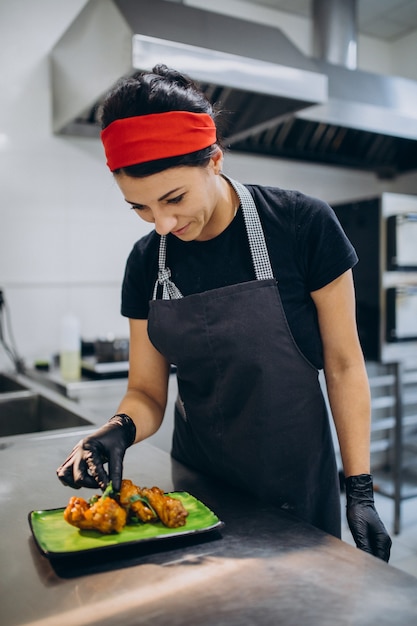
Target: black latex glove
[
  {"x": 85, "y": 465},
  {"x": 368, "y": 531}
]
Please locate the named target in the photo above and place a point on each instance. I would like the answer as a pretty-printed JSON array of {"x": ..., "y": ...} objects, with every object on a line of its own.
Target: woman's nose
[{"x": 164, "y": 224}]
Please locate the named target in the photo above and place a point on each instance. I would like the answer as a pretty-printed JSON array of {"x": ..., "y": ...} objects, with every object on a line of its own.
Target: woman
[{"x": 248, "y": 290}]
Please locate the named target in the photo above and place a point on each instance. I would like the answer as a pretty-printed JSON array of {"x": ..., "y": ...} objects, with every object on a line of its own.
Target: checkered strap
[
  {"x": 256, "y": 238},
  {"x": 169, "y": 290}
]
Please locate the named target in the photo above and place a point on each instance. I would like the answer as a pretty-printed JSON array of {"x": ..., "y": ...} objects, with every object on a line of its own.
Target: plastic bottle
[{"x": 70, "y": 348}]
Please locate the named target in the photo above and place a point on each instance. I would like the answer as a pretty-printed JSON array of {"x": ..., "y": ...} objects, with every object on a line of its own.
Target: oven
[{"x": 401, "y": 242}]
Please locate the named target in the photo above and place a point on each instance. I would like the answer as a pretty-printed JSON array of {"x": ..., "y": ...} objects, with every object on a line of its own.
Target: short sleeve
[
  {"x": 324, "y": 249},
  {"x": 139, "y": 278}
]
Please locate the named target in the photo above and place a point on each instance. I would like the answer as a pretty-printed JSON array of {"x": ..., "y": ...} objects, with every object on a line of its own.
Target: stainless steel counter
[{"x": 265, "y": 568}]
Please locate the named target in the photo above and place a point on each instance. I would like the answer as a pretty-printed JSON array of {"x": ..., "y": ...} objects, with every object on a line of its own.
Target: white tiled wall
[{"x": 65, "y": 231}]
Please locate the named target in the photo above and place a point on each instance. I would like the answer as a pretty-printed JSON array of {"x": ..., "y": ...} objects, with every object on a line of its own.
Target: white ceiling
[{"x": 384, "y": 19}]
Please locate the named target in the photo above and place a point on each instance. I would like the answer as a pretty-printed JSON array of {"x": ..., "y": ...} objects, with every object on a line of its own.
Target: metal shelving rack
[{"x": 394, "y": 434}]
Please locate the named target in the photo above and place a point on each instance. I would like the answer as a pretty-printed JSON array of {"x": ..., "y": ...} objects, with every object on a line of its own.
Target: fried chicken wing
[
  {"x": 170, "y": 511},
  {"x": 75, "y": 512},
  {"x": 105, "y": 515},
  {"x": 129, "y": 494}
]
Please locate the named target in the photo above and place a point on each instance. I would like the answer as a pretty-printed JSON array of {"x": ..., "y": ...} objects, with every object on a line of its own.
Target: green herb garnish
[
  {"x": 144, "y": 500},
  {"x": 109, "y": 492}
]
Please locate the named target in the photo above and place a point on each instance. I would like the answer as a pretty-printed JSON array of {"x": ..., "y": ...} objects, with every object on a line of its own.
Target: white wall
[
  {"x": 64, "y": 230},
  {"x": 405, "y": 55}
]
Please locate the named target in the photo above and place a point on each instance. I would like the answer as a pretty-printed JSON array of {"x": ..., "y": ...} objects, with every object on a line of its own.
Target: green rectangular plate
[{"x": 55, "y": 537}]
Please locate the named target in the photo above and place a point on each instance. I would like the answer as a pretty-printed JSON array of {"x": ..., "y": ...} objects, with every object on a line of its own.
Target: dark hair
[{"x": 159, "y": 91}]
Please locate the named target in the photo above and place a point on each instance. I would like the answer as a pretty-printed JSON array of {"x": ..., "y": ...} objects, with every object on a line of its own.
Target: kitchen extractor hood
[
  {"x": 114, "y": 38},
  {"x": 279, "y": 102},
  {"x": 369, "y": 120}
]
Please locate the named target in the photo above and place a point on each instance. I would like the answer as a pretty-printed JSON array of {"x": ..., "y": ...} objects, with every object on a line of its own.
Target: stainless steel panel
[{"x": 230, "y": 70}]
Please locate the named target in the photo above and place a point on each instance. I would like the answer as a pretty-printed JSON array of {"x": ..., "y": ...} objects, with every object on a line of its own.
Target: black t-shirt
[{"x": 307, "y": 249}]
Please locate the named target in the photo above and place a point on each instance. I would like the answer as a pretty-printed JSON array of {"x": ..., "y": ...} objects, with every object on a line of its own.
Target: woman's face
[{"x": 192, "y": 203}]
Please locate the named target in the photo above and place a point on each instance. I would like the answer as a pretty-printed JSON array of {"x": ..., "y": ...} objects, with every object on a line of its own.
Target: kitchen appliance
[
  {"x": 105, "y": 358},
  {"x": 402, "y": 241},
  {"x": 402, "y": 313},
  {"x": 383, "y": 231}
]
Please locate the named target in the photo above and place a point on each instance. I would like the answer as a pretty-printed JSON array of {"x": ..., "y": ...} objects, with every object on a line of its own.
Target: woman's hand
[
  {"x": 85, "y": 465},
  {"x": 367, "y": 529}
]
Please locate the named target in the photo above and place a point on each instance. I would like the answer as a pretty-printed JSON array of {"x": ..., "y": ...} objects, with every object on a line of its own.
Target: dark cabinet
[{"x": 384, "y": 233}]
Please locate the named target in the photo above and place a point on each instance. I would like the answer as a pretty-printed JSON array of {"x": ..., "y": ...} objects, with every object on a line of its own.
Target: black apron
[{"x": 250, "y": 409}]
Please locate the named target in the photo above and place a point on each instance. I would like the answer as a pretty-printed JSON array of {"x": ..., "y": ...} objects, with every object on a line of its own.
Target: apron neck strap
[
  {"x": 256, "y": 237},
  {"x": 169, "y": 290}
]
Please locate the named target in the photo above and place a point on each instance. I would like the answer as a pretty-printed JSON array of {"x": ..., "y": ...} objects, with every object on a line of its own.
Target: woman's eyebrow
[
  {"x": 159, "y": 199},
  {"x": 132, "y": 203},
  {"x": 169, "y": 193}
]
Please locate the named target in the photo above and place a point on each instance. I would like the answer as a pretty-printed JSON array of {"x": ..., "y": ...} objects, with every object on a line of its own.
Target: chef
[{"x": 248, "y": 291}]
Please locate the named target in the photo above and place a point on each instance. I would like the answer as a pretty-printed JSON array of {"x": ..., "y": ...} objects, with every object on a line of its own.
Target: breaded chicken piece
[
  {"x": 128, "y": 500},
  {"x": 74, "y": 514},
  {"x": 105, "y": 515},
  {"x": 170, "y": 511}
]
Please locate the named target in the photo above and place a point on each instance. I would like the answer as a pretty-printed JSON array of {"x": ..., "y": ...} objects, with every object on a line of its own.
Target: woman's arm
[
  {"x": 345, "y": 372},
  {"x": 146, "y": 396},
  {"x": 139, "y": 415},
  {"x": 349, "y": 397}
]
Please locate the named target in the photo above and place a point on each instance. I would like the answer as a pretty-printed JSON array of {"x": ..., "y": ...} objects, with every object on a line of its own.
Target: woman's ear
[{"x": 217, "y": 160}]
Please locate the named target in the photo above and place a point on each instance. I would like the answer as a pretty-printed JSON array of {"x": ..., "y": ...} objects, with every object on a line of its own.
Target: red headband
[{"x": 144, "y": 138}]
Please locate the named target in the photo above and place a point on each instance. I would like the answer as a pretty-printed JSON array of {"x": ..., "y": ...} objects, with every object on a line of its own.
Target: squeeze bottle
[{"x": 70, "y": 348}]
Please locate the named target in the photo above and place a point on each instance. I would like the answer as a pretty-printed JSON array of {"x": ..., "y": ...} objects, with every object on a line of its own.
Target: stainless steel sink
[
  {"x": 8, "y": 383},
  {"x": 27, "y": 408}
]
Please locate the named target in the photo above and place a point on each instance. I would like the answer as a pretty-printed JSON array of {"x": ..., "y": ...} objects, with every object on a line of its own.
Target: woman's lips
[{"x": 181, "y": 231}]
